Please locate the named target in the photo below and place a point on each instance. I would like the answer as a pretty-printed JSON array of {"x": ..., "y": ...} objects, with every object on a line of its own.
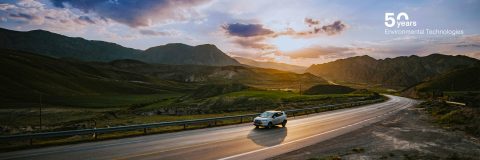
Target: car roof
[{"x": 273, "y": 111}]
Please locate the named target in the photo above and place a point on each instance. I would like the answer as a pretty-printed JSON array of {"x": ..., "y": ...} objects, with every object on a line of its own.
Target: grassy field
[
  {"x": 452, "y": 117},
  {"x": 107, "y": 101}
]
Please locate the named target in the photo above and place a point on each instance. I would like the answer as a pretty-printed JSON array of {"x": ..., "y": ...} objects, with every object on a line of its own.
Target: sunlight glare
[{"x": 288, "y": 44}]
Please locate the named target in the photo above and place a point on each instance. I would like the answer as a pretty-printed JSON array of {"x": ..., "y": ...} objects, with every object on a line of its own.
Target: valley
[
  {"x": 236, "y": 80},
  {"x": 68, "y": 90}
]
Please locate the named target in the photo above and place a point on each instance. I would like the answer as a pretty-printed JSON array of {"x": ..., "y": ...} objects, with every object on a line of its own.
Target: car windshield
[{"x": 266, "y": 114}]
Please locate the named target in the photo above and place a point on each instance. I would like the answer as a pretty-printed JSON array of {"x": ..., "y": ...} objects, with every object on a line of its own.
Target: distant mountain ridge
[
  {"x": 272, "y": 65},
  {"x": 466, "y": 79},
  {"x": 178, "y": 53},
  {"x": 400, "y": 71},
  {"x": 60, "y": 46}
]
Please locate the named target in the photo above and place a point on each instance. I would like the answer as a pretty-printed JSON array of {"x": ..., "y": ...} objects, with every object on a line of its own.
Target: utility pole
[
  {"x": 300, "y": 90},
  {"x": 300, "y": 84},
  {"x": 40, "y": 112}
]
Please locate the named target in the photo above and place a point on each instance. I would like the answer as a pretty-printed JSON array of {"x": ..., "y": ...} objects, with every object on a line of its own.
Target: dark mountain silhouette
[
  {"x": 60, "y": 46},
  {"x": 400, "y": 71},
  {"x": 177, "y": 53},
  {"x": 467, "y": 79}
]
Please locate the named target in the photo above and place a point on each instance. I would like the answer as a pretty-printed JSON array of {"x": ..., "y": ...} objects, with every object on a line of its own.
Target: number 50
[{"x": 390, "y": 21}]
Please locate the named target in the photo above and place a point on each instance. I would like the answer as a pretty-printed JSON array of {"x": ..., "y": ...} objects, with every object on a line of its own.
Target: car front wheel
[
  {"x": 284, "y": 123},
  {"x": 270, "y": 125}
]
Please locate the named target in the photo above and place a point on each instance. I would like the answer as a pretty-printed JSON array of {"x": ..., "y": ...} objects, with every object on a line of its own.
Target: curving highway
[{"x": 229, "y": 142}]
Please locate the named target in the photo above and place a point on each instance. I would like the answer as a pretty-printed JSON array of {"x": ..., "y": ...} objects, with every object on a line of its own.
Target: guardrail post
[
  {"x": 293, "y": 114},
  {"x": 144, "y": 130},
  {"x": 94, "y": 135},
  {"x": 184, "y": 126},
  {"x": 31, "y": 141},
  {"x": 241, "y": 119},
  {"x": 215, "y": 122}
]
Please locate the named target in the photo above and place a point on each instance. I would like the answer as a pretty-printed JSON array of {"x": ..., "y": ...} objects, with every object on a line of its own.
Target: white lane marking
[{"x": 312, "y": 136}]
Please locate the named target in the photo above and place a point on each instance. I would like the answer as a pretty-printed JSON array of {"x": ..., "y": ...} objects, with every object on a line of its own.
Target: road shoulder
[{"x": 408, "y": 134}]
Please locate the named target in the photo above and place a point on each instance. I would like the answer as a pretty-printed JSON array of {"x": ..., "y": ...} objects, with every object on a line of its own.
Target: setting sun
[{"x": 289, "y": 44}]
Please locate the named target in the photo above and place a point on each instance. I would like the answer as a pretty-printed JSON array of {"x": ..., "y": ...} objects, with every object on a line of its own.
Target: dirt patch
[{"x": 409, "y": 134}]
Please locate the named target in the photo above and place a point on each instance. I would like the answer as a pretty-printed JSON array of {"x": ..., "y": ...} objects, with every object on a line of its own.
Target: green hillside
[
  {"x": 251, "y": 76},
  {"x": 28, "y": 77},
  {"x": 211, "y": 90},
  {"x": 328, "y": 89},
  {"x": 467, "y": 79}
]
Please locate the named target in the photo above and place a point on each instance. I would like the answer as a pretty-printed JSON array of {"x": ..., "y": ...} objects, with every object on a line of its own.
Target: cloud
[
  {"x": 134, "y": 13},
  {"x": 154, "y": 33},
  {"x": 329, "y": 52},
  {"x": 85, "y": 19},
  {"x": 254, "y": 42},
  {"x": 468, "y": 45},
  {"x": 311, "y": 22},
  {"x": 315, "y": 28},
  {"x": 253, "y": 30},
  {"x": 335, "y": 28},
  {"x": 255, "y": 35},
  {"x": 249, "y": 35},
  {"x": 33, "y": 14},
  {"x": 246, "y": 30},
  {"x": 22, "y": 16},
  {"x": 6, "y": 6}
]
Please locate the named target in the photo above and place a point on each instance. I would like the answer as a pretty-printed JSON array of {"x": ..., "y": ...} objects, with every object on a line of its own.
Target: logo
[{"x": 402, "y": 20}]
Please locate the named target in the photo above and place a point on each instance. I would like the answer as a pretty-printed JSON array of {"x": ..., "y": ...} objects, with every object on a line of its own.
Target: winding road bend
[{"x": 241, "y": 141}]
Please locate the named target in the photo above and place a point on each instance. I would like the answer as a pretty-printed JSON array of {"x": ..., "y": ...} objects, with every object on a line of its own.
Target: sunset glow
[{"x": 256, "y": 31}]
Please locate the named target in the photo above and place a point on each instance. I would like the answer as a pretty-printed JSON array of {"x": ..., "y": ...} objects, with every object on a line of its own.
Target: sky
[{"x": 299, "y": 32}]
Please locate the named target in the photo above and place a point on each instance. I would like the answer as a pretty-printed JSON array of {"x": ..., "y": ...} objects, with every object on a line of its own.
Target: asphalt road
[{"x": 229, "y": 142}]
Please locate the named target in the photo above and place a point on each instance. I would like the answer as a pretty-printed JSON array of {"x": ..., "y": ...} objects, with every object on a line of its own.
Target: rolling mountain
[
  {"x": 272, "y": 65},
  {"x": 400, "y": 71},
  {"x": 178, "y": 54},
  {"x": 251, "y": 76},
  {"x": 60, "y": 46},
  {"x": 24, "y": 76},
  {"x": 467, "y": 79}
]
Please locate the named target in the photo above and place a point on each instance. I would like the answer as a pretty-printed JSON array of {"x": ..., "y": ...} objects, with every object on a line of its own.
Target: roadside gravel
[{"x": 409, "y": 134}]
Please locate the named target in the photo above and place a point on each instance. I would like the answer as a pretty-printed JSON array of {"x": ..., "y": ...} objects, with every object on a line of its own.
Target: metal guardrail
[{"x": 184, "y": 123}]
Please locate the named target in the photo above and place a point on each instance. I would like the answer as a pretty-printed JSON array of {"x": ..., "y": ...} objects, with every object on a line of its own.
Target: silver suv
[{"x": 269, "y": 119}]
